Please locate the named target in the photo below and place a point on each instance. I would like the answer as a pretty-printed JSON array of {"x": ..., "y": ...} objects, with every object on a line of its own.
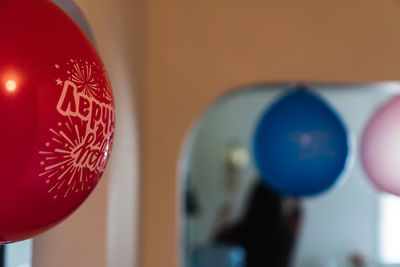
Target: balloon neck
[{"x": 301, "y": 88}]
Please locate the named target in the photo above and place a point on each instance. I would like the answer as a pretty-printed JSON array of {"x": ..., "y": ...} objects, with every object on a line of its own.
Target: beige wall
[{"x": 199, "y": 50}]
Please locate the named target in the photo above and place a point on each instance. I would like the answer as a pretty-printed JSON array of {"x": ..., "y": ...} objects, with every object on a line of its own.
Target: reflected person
[{"x": 268, "y": 229}]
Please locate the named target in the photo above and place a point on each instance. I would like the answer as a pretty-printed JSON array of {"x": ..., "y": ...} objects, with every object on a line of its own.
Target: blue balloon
[{"x": 300, "y": 145}]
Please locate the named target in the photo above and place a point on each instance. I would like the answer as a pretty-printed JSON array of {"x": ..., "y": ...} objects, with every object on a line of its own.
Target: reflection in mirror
[
  {"x": 231, "y": 218},
  {"x": 18, "y": 254}
]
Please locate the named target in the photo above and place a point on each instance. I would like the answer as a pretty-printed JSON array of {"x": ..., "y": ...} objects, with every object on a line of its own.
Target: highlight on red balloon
[
  {"x": 10, "y": 81},
  {"x": 11, "y": 85}
]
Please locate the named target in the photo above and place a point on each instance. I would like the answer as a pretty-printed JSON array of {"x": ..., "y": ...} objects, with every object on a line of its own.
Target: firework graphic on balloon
[
  {"x": 83, "y": 76},
  {"x": 76, "y": 154}
]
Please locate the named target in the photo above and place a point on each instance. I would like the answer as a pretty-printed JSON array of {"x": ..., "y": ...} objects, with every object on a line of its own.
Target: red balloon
[{"x": 57, "y": 117}]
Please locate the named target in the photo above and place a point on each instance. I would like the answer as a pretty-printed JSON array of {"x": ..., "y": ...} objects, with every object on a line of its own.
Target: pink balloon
[{"x": 380, "y": 147}]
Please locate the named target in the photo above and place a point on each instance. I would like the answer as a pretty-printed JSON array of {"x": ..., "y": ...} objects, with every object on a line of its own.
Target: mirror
[{"x": 231, "y": 218}]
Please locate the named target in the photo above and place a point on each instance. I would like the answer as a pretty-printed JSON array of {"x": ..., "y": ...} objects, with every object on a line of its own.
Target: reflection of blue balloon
[
  {"x": 300, "y": 145},
  {"x": 77, "y": 15}
]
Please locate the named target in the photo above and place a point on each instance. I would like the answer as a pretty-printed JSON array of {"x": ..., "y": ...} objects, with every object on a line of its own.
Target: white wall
[
  {"x": 19, "y": 254},
  {"x": 118, "y": 28},
  {"x": 339, "y": 222}
]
